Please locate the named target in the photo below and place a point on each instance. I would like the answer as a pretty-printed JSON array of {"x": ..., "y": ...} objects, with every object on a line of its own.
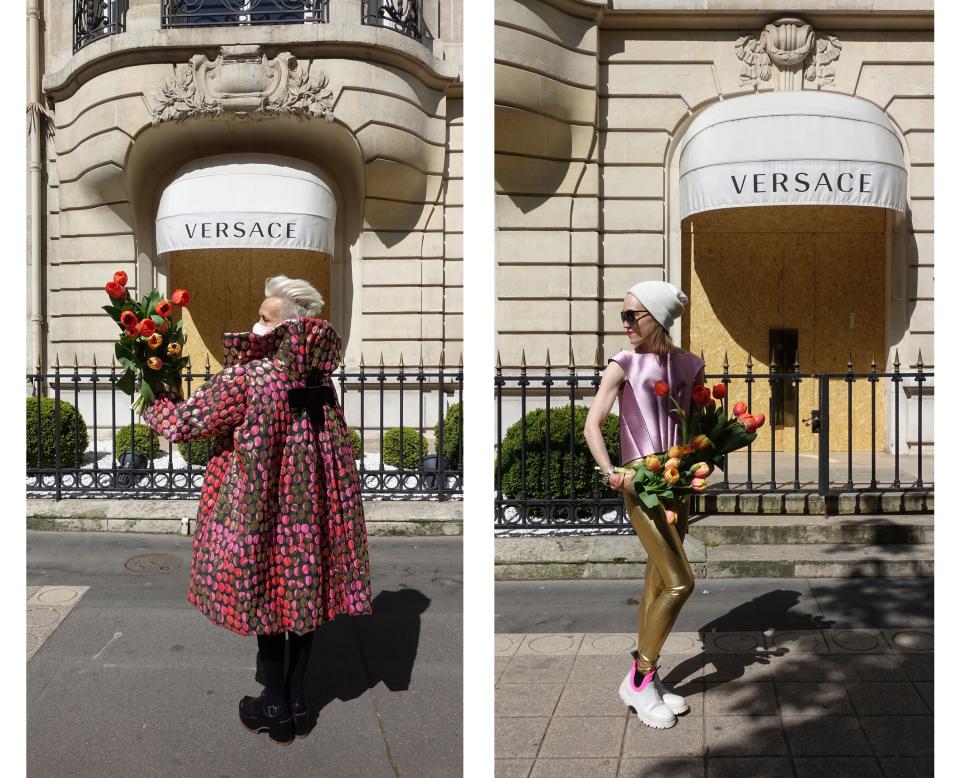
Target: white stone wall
[
  {"x": 394, "y": 148},
  {"x": 590, "y": 109}
]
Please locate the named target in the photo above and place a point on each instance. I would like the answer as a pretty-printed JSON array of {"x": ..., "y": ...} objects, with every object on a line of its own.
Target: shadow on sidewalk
[
  {"x": 825, "y": 707},
  {"x": 352, "y": 654},
  {"x": 770, "y": 608}
]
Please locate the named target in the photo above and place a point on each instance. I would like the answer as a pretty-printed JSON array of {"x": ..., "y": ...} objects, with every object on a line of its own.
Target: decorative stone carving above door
[
  {"x": 791, "y": 47},
  {"x": 245, "y": 84}
]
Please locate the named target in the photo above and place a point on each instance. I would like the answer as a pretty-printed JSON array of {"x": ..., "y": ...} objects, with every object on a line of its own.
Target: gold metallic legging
[{"x": 668, "y": 581}]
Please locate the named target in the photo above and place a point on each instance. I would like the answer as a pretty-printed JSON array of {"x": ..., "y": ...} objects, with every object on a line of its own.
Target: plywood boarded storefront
[
  {"x": 756, "y": 274},
  {"x": 226, "y": 289}
]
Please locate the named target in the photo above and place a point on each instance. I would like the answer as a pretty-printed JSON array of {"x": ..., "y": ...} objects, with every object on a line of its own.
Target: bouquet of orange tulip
[
  {"x": 709, "y": 434},
  {"x": 151, "y": 346}
]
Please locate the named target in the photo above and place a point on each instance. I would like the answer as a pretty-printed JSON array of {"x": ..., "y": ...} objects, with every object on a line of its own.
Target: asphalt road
[
  {"x": 161, "y": 698},
  {"x": 720, "y": 605}
]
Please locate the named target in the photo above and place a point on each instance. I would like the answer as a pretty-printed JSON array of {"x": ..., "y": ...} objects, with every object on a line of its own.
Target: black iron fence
[
  {"x": 93, "y": 19},
  {"x": 826, "y": 434},
  {"x": 84, "y": 441}
]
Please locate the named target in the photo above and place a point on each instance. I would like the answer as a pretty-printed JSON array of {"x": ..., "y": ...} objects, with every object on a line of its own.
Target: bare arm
[{"x": 610, "y": 382}]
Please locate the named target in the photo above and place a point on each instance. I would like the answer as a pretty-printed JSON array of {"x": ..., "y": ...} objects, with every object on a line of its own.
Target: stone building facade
[
  {"x": 366, "y": 97},
  {"x": 595, "y": 102}
]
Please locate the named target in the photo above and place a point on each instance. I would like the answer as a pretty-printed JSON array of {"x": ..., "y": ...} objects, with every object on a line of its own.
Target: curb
[
  {"x": 177, "y": 517},
  {"x": 725, "y": 546}
]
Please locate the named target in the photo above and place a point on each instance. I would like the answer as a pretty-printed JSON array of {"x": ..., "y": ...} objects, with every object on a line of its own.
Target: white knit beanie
[{"x": 664, "y": 301}]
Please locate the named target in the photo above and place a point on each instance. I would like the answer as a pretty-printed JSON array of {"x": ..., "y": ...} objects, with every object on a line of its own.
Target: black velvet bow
[{"x": 312, "y": 398}]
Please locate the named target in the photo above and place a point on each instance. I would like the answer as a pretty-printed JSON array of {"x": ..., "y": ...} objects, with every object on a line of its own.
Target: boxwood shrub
[
  {"x": 195, "y": 452},
  {"x": 355, "y": 441},
  {"x": 72, "y": 433},
  {"x": 452, "y": 443},
  {"x": 146, "y": 442},
  {"x": 552, "y": 479},
  {"x": 414, "y": 446}
]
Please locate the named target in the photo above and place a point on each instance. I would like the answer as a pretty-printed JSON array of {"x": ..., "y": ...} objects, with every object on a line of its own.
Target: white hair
[{"x": 300, "y": 298}]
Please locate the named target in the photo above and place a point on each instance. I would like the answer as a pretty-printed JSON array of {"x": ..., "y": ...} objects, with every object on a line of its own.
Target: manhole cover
[{"x": 153, "y": 563}]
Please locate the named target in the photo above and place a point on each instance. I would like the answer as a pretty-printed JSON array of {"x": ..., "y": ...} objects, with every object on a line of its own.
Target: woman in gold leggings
[{"x": 647, "y": 427}]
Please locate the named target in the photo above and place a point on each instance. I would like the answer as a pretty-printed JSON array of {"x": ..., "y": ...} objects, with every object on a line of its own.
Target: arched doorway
[
  {"x": 785, "y": 201},
  {"x": 229, "y": 222}
]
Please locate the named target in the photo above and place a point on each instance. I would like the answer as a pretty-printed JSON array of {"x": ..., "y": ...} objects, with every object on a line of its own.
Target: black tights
[{"x": 271, "y": 657}]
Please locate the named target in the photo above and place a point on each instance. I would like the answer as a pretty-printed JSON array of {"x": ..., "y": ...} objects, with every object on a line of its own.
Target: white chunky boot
[
  {"x": 645, "y": 701},
  {"x": 675, "y": 702}
]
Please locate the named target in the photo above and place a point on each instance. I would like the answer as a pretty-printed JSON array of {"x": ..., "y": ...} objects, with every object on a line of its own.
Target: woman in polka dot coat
[{"x": 280, "y": 544}]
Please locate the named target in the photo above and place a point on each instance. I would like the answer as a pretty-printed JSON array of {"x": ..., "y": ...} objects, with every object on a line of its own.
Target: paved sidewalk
[
  {"x": 125, "y": 677},
  {"x": 804, "y": 702}
]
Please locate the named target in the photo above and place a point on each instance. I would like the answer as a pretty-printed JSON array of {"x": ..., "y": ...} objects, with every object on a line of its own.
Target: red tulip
[
  {"x": 129, "y": 320},
  {"x": 154, "y": 363},
  {"x": 720, "y": 391},
  {"x": 739, "y": 409},
  {"x": 120, "y": 278},
  {"x": 700, "y": 394},
  {"x": 662, "y": 388},
  {"x": 180, "y": 298},
  {"x": 115, "y": 290},
  {"x": 163, "y": 308},
  {"x": 749, "y": 422},
  {"x": 712, "y": 404},
  {"x": 760, "y": 419},
  {"x": 147, "y": 328}
]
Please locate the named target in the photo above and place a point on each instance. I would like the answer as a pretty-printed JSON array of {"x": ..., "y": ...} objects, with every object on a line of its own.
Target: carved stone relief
[
  {"x": 242, "y": 82},
  {"x": 794, "y": 49}
]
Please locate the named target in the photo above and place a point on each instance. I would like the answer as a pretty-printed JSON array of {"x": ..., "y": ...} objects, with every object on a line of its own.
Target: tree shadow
[
  {"x": 352, "y": 654},
  {"x": 769, "y": 610},
  {"x": 805, "y": 708}
]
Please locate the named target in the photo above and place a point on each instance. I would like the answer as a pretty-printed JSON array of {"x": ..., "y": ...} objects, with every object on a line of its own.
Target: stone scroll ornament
[
  {"x": 794, "y": 48},
  {"x": 244, "y": 83}
]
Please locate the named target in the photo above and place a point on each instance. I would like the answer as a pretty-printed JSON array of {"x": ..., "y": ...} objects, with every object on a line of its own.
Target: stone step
[
  {"x": 845, "y": 503},
  {"x": 819, "y": 560},
  {"x": 786, "y": 529},
  {"x": 608, "y": 557}
]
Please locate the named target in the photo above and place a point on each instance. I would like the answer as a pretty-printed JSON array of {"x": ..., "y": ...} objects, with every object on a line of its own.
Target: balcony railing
[
  {"x": 233, "y": 13},
  {"x": 101, "y": 452},
  {"x": 94, "y": 19},
  {"x": 403, "y": 16}
]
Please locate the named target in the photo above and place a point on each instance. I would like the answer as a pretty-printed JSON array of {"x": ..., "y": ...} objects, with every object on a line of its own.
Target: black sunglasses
[{"x": 630, "y": 316}]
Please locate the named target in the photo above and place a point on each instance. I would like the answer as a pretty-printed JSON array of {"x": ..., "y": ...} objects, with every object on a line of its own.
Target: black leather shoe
[
  {"x": 257, "y": 716},
  {"x": 300, "y": 710}
]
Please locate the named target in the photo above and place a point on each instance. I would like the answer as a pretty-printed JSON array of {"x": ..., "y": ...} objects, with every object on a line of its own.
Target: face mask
[{"x": 261, "y": 329}]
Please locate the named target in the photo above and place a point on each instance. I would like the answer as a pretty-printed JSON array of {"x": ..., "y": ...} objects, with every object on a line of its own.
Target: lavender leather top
[{"x": 646, "y": 426}]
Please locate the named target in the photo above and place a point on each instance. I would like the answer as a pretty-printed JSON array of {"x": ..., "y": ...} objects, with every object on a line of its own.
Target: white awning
[
  {"x": 791, "y": 148},
  {"x": 247, "y": 201}
]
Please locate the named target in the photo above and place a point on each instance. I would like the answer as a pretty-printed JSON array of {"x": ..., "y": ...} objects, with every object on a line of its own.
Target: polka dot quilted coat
[{"x": 280, "y": 541}]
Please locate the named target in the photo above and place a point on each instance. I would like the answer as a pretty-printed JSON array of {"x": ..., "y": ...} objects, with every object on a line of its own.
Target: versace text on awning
[
  {"x": 801, "y": 181},
  {"x": 240, "y": 229}
]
